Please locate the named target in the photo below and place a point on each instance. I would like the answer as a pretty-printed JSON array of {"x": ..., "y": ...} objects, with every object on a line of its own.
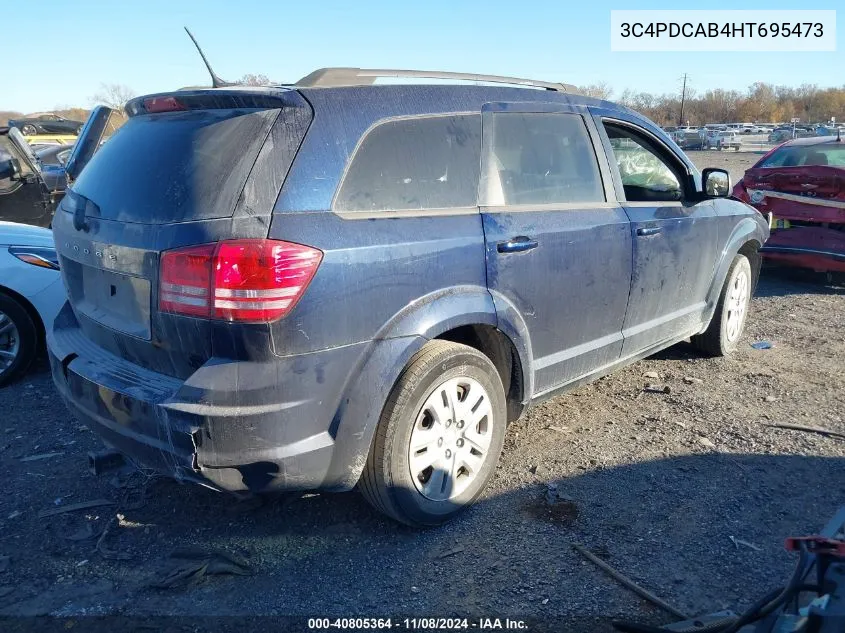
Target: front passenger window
[{"x": 646, "y": 177}]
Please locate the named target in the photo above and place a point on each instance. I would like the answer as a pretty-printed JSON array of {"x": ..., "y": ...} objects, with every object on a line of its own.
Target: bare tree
[
  {"x": 114, "y": 96},
  {"x": 254, "y": 80},
  {"x": 599, "y": 90}
]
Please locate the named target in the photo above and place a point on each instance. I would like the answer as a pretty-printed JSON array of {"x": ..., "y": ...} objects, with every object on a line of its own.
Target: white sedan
[{"x": 31, "y": 294}]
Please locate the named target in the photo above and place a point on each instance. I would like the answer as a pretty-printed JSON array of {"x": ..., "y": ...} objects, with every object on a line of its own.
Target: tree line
[{"x": 759, "y": 103}]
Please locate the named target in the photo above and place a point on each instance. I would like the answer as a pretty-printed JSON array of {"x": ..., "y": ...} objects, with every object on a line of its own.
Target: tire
[
  {"x": 18, "y": 336},
  {"x": 430, "y": 496},
  {"x": 29, "y": 130},
  {"x": 722, "y": 336}
]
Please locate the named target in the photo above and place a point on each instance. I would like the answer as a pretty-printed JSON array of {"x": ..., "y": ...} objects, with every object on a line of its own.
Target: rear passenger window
[
  {"x": 539, "y": 158},
  {"x": 415, "y": 164}
]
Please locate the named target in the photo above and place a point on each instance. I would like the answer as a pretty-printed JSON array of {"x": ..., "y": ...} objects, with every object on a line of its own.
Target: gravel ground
[{"x": 656, "y": 484}]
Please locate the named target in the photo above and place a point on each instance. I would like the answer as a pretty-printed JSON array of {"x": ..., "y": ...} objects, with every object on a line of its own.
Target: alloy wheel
[{"x": 10, "y": 342}]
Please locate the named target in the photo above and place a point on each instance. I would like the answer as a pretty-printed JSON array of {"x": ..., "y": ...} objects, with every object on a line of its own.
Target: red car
[{"x": 802, "y": 184}]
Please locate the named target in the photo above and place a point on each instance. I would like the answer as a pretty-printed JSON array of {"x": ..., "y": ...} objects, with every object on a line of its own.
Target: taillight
[
  {"x": 249, "y": 280},
  {"x": 163, "y": 104},
  {"x": 184, "y": 285}
]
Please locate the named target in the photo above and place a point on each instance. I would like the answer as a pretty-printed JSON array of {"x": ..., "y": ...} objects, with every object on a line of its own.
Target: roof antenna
[{"x": 216, "y": 82}]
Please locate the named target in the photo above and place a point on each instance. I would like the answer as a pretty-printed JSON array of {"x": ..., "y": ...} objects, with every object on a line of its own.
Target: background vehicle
[
  {"x": 719, "y": 139},
  {"x": 31, "y": 293},
  {"x": 24, "y": 196},
  {"x": 802, "y": 184},
  {"x": 46, "y": 123},
  {"x": 689, "y": 137},
  {"x": 53, "y": 159},
  {"x": 474, "y": 278}
]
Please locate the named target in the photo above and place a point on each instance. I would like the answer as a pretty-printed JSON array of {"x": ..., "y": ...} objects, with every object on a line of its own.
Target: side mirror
[{"x": 715, "y": 182}]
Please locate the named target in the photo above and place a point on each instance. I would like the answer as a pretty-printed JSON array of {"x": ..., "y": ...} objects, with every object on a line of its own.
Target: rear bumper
[
  {"x": 815, "y": 247},
  {"x": 232, "y": 425}
]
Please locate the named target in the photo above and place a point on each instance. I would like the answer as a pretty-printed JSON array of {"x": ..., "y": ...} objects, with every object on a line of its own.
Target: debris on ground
[
  {"x": 809, "y": 429},
  {"x": 737, "y": 542},
  {"x": 627, "y": 582},
  {"x": 692, "y": 380},
  {"x": 35, "y": 458},
  {"x": 556, "y": 507},
  {"x": 651, "y": 374},
  {"x": 14, "y": 515},
  {"x": 107, "y": 552},
  {"x": 706, "y": 442},
  {"x": 770, "y": 399},
  {"x": 192, "y": 564},
  {"x": 657, "y": 389},
  {"x": 84, "y": 505},
  {"x": 451, "y": 552},
  {"x": 559, "y": 429},
  {"x": 762, "y": 345}
]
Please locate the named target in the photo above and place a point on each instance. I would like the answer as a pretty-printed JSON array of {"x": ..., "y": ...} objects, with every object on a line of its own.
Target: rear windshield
[
  {"x": 807, "y": 155},
  {"x": 175, "y": 167}
]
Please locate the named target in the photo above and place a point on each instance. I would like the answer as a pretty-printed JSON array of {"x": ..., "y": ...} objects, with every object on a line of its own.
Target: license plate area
[
  {"x": 118, "y": 301},
  {"x": 780, "y": 223}
]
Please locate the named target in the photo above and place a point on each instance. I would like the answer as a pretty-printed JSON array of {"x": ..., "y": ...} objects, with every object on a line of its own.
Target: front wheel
[
  {"x": 18, "y": 339},
  {"x": 439, "y": 438},
  {"x": 722, "y": 335},
  {"x": 29, "y": 130}
]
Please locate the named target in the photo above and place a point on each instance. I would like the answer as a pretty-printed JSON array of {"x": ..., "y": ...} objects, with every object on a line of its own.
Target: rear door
[
  {"x": 558, "y": 246},
  {"x": 675, "y": 234},
  {"x": 177, "y": 173}
]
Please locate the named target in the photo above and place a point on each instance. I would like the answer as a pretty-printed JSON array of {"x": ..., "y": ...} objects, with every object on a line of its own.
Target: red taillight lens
[
  {"x": 163, "y": 104},
  {"x": 250, "y": 280},
  {"x": 185, "y": 280},
  {"x": 261, "y": 280}
]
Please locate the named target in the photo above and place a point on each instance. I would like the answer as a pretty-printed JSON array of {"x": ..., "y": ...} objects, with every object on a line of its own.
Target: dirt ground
[{"x": 690, "y": 493}]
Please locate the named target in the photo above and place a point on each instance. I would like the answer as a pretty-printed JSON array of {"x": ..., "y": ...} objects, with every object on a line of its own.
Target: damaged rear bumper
[
  {"x": 232, "y": 425},
  {"x": 818, "y": 248}
]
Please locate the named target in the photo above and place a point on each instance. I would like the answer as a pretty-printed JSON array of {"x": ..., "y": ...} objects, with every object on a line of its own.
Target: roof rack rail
[{"x": 336, "y": 77}]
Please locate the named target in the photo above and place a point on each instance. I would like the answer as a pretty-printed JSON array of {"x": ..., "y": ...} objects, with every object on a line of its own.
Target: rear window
[
  {"x": 806, "y": 155},
  {"x": 414, "y": 164},
  {"x": 175, "y": 167}
]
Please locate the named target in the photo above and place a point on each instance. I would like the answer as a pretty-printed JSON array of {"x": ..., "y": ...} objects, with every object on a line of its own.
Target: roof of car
[{"x": 813, "y": 140}]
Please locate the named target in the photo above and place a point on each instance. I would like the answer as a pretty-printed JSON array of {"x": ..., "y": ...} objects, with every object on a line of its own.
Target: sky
[{"x": 61, "y": 59}]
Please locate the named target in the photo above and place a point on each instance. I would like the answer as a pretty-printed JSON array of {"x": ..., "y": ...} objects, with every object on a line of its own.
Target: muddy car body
[
  {"x": 802, "y": 185},
  {"x": 319, "y": 312}
]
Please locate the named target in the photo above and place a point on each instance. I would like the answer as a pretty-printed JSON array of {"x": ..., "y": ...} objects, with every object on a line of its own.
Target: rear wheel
[
  {"x": 439, "y": 438},
  {"x": 18, "y": 339},
  {"x": 722, "y": 335},
  {"x": 29, "y": 130}
]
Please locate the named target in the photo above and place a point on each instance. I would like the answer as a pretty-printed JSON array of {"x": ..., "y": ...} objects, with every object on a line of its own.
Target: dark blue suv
[{"x": 333, "y": 284}]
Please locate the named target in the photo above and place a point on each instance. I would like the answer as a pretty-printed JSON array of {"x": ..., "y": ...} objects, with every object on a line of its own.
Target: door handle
[
  {"x": 649, "y": 230},
  {"x": 517, "y": 245}
]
